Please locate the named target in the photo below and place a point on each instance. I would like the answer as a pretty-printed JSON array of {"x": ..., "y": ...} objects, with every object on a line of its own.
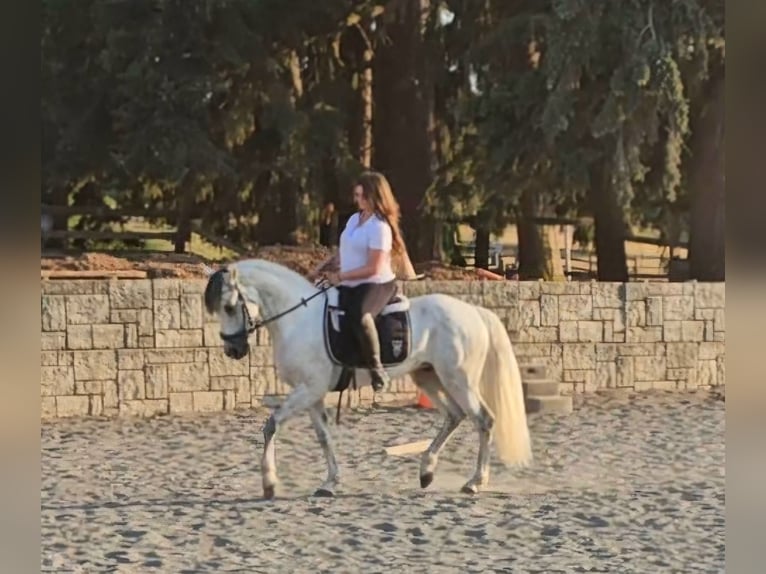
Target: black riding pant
[{"x": 362, "y": 304}]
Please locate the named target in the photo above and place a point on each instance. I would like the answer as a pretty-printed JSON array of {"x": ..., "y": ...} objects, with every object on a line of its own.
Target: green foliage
[
  {"x": 240, "y": 108},
  {"x": 568, "y": 85},
  {"x": 193, "y": 99}
]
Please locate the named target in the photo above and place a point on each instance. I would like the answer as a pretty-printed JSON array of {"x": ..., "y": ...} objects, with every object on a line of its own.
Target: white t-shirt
[{"x": 355, "y": 243}]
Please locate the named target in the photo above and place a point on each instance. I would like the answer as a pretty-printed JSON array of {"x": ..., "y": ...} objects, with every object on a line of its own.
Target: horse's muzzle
[{"x": 236, "y": 351}]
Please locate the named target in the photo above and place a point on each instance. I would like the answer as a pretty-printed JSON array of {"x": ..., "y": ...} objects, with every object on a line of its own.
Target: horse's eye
[{"x": 229, "y": 308}]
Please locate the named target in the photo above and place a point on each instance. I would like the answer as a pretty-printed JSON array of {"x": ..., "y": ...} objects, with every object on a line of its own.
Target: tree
[
  {"x": 707, "y": 183},
  {"x": 225, "y": 109},
  {"x": 704, "y": 162},
  {"x": 638, "y": 65},
  {"x": 403, "y": 124},
  {"x": 249, "y": 114},
  {"x": 74, "y": 109},
  {"x": 586, "y": 102}
]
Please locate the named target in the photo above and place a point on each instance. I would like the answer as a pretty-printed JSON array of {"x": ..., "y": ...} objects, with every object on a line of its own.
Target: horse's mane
[
  {"x": 272, "y": 268},
  {"x": 213, "y": 290},
  {"x": 267, "y": 271}
]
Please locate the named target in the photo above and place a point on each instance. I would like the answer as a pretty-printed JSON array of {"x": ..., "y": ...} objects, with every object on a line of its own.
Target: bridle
[{"x": 250, "y": 326}]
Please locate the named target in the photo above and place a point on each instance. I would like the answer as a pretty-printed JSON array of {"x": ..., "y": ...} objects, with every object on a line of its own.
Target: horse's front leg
[
  {"x": 301, "y": 399},
  {"x": 319, "y": 420}
]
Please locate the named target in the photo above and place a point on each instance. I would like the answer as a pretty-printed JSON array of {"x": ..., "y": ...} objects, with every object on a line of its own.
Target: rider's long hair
[{"x": 377, "y": 191}]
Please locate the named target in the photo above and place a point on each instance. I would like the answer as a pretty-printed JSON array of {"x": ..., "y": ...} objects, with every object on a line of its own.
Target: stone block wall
[
  {"x": 592, "y": 335},
  {"x": 143, "y": 347}
]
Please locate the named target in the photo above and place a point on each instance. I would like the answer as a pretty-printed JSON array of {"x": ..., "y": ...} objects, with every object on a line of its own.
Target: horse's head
[{"x": 225, "y": 299}]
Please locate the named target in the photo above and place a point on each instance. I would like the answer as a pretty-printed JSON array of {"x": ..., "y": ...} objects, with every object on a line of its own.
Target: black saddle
[{"x": 394, "y": 332}]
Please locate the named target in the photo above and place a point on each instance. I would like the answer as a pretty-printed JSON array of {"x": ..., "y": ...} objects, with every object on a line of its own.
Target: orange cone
[{"x": 424, "y": 402}]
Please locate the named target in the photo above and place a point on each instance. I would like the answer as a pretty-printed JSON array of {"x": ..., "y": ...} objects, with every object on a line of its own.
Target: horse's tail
[{"x": 501, "y": 389}]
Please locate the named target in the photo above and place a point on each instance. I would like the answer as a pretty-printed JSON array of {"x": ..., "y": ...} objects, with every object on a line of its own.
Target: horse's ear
[{"x": 232, "y": 272}]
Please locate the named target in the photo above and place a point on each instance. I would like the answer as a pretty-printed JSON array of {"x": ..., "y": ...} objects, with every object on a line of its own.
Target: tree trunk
[
  {"x": 404, "y": 120},
  {"x": 279, "y": 215},
  {"x": 358, "y": 55},
  {"x": 707, "y": 253},
  {"x": 535, "y": 255},
  {"x": 531, "y": 258},
  {"x": 183, "y": 224},
  {"x": 440, "y": 253},
  {"x": 294, "y": 63},
  {"x": 609, "y": 228},
  {"x": 59, "y": 196},
  {"x": 481, "y": 247},
  {"x": 554, "y": 268},
  {"x": 365, "y": 91},
  {"x": 293, "y": 221}
]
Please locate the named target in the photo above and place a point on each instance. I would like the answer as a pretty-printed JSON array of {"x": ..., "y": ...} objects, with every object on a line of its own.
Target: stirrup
[{"x": 379, "y": 379}]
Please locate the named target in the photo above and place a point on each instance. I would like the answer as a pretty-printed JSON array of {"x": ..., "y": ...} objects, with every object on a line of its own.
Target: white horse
[{"x": 460, "y": 357}]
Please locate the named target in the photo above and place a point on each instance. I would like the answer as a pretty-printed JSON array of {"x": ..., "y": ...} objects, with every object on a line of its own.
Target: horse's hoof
[
  {"x": 268, "y": 492},
  {"x": 470, "y": 489},
  {"x": 426, "y": 479},
  {"x": 324, "y": 493}
]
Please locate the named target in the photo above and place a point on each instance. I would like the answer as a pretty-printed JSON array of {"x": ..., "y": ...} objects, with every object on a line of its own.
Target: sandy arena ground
[{"x": 619, "y": 486}]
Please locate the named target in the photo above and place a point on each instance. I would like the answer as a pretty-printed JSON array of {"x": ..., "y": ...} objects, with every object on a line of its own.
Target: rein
[{"x": 250, "y": 326}]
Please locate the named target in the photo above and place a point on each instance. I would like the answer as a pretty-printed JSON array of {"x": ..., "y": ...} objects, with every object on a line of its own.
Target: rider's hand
[{"x": 315, "y": 274}]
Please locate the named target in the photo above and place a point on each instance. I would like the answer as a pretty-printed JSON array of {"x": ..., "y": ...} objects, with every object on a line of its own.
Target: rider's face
[{"x": 361, "y": 202}]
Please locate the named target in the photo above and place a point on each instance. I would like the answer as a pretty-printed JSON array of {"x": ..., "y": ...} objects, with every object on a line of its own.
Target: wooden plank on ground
[
  {"x": 408, "y": 448},
  {"x": 92, "y": 274},
  {"x": 488, "y": 275}
]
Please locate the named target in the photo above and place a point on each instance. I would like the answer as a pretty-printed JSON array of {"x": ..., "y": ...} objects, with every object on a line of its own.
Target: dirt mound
[
  {"x": 440, "y": 272},
  {"x": 302, "y": 260},
  {"x": 156, "y": 264}
]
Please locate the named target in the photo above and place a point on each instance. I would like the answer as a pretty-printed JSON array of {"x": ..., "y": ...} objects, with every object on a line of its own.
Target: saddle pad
[{"x": 394, "y": 333}]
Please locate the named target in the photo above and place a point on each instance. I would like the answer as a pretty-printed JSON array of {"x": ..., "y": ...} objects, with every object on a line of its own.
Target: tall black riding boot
[{"x": 378, "y": 374}]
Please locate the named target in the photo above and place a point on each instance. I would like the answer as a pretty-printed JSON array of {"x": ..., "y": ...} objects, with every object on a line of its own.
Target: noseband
[{"x": 249, "y": 325}]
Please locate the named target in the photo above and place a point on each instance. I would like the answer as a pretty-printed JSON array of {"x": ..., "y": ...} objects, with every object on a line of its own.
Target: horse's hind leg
[
  {"x": 484, "y": 424},
  {"x": 431, "y": 455},
  {"x": 429, "y": 383},
  {"x": 459, "y": 389}
]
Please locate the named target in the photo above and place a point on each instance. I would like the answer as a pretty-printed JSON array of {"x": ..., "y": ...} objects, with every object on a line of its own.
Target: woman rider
[{"x": 368, "y": 244}]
